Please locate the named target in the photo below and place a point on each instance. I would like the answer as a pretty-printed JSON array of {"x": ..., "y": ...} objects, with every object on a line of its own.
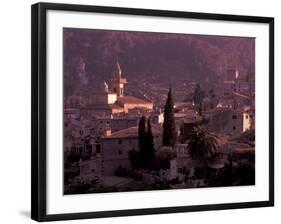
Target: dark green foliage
[
  {"x": 144, "y": 158},
  {"x": 175, "y": 181},
  {"x": 149, "y": 141},
  {"x": 221, "y": 177},
  {"x": 73, "y": 157},
  {"x": 163, "y": 157},
  {"x": 138, "y": 161},
  {"x": 136, "y": 158},
  {"x": 169, "y": 128},
  {"x": 198, "y": 94},
  {"x": 199, "y": 172},
  {"x": 70, "y": 172},
  {"x": 212, "y": 96},
  {"x": 203, "y": 144},
  {"x": 200, "y": 109},
  {"x": 130, "y": 173},
  {"x": 142, "y": 134},
  {"x": 243, "y": 174}
]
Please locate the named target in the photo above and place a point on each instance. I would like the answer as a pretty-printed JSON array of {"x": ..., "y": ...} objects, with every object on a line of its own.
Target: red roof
[
  {"x": 131, "y": 100},
  {"x": 132, "y": 132},
  {"x": 102, "y": 107}
]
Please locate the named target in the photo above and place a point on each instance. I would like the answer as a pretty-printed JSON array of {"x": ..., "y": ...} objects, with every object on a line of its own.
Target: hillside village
[{"x": 115, "y": 141}]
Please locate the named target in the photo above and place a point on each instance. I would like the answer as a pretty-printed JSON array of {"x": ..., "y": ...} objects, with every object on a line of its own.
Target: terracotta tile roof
[
  {"x": 244, "y": 150},
  {"x": 131, "y": 100},
  {"x": 132, "y": 132},
  {"x": 102, "y": 106}
]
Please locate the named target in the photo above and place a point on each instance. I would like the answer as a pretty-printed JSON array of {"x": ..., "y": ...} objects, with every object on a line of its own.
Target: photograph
[
  {"x": 145, "y": 111},
  {"x": 140, "y": 112}
]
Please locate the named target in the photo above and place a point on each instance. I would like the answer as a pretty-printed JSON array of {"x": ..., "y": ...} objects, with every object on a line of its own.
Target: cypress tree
[
  {"x": 169, "y": 128},
  {"x": 142, "y": 134},
  {"x": 198, "y": 94},
  {"x": 149, "y": 140}
]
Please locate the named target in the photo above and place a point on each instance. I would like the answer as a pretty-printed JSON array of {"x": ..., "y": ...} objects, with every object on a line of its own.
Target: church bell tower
[{"x": 117, "y": 83}]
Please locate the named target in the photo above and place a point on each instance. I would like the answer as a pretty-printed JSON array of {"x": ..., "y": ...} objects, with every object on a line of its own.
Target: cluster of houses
[{"x": 102, "y": 131}]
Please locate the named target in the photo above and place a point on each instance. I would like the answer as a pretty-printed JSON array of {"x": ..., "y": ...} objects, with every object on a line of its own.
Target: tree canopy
[{"x": 203, "y": 144}]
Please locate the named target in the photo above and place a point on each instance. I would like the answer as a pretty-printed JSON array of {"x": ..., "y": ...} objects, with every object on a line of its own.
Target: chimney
[{"x": 107, "y": 131}]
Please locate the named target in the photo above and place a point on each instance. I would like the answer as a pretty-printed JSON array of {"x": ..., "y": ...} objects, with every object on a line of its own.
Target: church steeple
[
  {"x": 119, "y": 71},
  {"x": 117, "y": 82}
]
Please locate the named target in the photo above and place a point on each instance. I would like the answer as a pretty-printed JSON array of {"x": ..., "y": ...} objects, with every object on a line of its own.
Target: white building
[
  {"x": 228, "y": 121},
  {"x": 99, "y": 124},
  {"x": 115, "y": 148}
]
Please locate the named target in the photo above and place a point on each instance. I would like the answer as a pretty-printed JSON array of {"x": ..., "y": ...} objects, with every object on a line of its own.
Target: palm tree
[{"x": 203, "y": 144}]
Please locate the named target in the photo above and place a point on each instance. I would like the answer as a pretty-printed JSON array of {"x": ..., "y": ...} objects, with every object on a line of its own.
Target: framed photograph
[{"x": 139, "y": 111}]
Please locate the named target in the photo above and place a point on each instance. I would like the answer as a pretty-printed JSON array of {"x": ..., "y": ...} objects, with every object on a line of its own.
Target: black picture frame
[{"x": 38, "y": 108}]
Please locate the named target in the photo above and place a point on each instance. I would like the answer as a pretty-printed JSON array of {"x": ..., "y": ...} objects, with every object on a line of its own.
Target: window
[
  {"x": 233, "y": 128},
  {"x": 119, "y": 141},
  {"x": 234, "y": 116},
  {"x": 114, "y": 90},
  {"x": 120, "y": 152}
]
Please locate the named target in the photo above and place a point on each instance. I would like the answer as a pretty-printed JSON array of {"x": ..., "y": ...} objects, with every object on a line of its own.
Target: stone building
[
  {"x": 91, "y": 168},
  {"x": 115, "y": 147},
  {"x": 228, "y": 121},
  {"x": 99, "y": 124}
]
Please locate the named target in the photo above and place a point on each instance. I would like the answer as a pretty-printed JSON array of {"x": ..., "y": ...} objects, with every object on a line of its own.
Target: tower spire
[
  {"x": 117, "y": 82},
  {"x": 119, "y": 71}
]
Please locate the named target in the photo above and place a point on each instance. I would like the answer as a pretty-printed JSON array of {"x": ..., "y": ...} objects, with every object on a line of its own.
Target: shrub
[
  {"x": 163, "y": 157},
  {"x": 124, "y": 172}
]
